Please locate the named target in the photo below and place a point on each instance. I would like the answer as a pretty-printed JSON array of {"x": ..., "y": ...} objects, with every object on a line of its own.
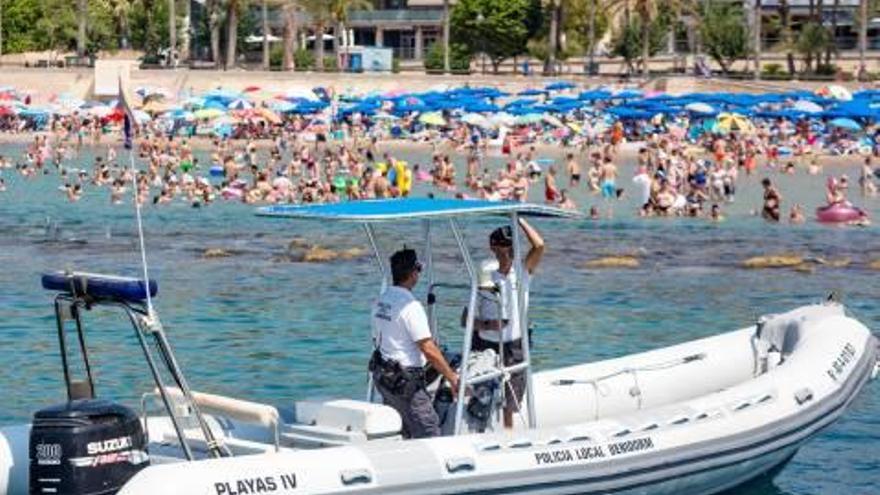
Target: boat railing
[{"x": 77, "y": 292}]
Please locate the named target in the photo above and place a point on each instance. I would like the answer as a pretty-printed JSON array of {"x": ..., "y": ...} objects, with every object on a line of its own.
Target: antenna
[
  {"x": 128, "y": 129},
  {"x": 140, "y": 227}
]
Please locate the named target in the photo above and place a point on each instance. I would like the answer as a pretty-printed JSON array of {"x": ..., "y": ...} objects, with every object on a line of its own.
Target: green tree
[
  {"x": 498, "y": 28},
  {"x": 82, "y": 18},
  {"x": 651, "y": 13},
  {"x": 629, "y": 43},
  {"x": 459, "y": 58},
  {"x": 811, "y": 43},
  {"x": 725, "y": 35}
]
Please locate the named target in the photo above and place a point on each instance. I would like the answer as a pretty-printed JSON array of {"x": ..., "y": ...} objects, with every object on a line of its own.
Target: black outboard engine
[{"x": 85, "y": 447}]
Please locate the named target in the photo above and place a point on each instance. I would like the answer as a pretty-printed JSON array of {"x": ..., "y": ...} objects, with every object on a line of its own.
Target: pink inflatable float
[{"x": 840, "y": 213}]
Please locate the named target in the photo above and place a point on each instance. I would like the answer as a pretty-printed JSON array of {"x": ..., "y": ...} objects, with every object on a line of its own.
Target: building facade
[{"x": 409, "y": 27}]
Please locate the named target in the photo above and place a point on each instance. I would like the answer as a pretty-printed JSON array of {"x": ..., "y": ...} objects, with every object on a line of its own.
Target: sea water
[{"x": 260, "y": 325}]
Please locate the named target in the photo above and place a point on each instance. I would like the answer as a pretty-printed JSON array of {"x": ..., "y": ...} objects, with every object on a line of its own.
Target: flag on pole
[{"x": 128, "y": 123}]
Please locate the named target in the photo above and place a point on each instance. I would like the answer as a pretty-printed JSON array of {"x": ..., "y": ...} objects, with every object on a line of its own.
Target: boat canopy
[{"x": 384, "y": 210}]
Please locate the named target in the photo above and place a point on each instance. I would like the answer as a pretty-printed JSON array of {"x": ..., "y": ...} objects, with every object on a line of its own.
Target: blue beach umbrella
[
  {"x": 532, "y": 92},
  {"x": 560, "y": 86},
  {"x": 846, "y": 124}
]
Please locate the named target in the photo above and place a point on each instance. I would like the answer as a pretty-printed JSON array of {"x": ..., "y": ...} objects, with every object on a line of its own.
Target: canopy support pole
[
  {"x": 371, "y": 236},
  {"x": 520, "y": 271},
  {"x": 429, "y": 269},
  {"x": 469, "y": 325}
]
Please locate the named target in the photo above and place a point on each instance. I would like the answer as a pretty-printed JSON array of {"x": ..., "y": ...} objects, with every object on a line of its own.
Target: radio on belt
[{"x": 85, "y": 447}]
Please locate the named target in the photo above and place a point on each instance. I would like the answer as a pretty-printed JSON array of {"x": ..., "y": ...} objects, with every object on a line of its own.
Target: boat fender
[{"x": 803, "y": 396}]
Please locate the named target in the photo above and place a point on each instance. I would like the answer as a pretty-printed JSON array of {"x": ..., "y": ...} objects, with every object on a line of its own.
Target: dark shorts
[
  {"x": 415, "y": 407},
  {"x": 513, "y": 354}
]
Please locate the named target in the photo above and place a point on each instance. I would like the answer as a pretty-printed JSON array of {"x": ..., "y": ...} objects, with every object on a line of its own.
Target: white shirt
[
  {"x": 508, "y": 293},
  {"x": 399, "y": 321}
]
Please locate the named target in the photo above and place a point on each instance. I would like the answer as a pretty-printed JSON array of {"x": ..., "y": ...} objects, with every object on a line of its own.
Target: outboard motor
[{"x": 85, "y": 447}]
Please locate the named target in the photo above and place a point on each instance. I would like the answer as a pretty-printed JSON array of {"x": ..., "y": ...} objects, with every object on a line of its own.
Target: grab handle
[
  {"x": 355, "y": 476},
  {"x": 459, "y": 464}
]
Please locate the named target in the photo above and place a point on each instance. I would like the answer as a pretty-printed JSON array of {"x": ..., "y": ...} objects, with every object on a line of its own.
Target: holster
[{"x": 392, "y": 377}]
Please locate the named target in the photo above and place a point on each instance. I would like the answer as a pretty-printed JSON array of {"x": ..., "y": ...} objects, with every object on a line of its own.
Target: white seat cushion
[{"x": 373, "y": 420}]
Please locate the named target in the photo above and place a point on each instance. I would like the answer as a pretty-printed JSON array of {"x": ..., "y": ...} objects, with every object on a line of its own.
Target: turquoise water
[{"x": 261, "y": 326}]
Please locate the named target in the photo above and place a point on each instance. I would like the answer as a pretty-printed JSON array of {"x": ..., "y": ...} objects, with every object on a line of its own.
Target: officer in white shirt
[
  {"x": 403, "y": 346},
  {"x": 504, "y": 332}
]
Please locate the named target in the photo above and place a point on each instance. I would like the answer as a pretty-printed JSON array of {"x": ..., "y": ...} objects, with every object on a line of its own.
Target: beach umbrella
[
  {"x": 251, "y": 89},
  {"x": 553, "y": 120},
  {"x": 432, "y": 118},
  {"x": 532, "y": 92},
  {"x": 283, "y": 106},
  {"x": 807, "y": 106},
  {"x": 560, "y": 86},
  {"x": 629, "y": 93},
  {"x": 476, "y": 119},
  {"x": 208, "y": 113},
  {"x": 386, "y": 116},
  {"x": 269, "y": 115},
  {"x": 502, "y": 118},
  {"x": 699, "y": 107},
  {"x": 846, "y": 124},
  {"x": 730, "y": 122},
  {"x": 100, "y": 112},
  {"x": 6, "y": 111},
  {"x": 240, "y": 104},
  {"x": 528, "y": 119},
  {"x": 300, "y": 94},
  {"x": 155, "y": 107},
  {"x": 140, "y": 116},
  {"x": 835, "y": 92}
]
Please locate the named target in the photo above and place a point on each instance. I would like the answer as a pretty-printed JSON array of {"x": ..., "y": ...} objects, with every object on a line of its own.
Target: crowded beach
[{"x": 263, "y": 146}]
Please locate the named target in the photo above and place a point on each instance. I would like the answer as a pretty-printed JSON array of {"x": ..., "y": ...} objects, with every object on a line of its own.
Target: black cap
[
  {"x": 403, "y": 263},
  {"x": 502, "y": 236}
]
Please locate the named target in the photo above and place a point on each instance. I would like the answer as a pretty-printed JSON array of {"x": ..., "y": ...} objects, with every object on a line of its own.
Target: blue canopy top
[{"x": 383, "y": 210}]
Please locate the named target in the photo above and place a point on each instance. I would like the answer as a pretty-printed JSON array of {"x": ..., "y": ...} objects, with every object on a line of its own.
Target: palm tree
[
  {"x": 832, "y": 47},
  {"x": 264, "y": 11},
  {"x": 647, "y": 11},
  {"x": 172, "y": 29},
  {"x": 1, "y": 27},
  {"x": 863, "y": 38},
  {"x": 446, "y": 66},
  {"x": 321, "y": 12},
  {"x": 339, "y": 10},
  {"x": 785, "y": 14},
  {"x": 553, "y": 38},
  {"x": 82, "y": 14},
  {"x": 232, "y": 7},
  {"x": 758, "y": 19},
  {"x": 215, "y": 21},
  {"x": 120, "y": 10},
  {"x": 187, "y": 31},
  {"x": 288, "y": 10}
]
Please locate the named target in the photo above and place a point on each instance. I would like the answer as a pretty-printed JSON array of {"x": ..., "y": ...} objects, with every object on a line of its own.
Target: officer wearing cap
[
  {"x": 494, "y": 331},
  {"x": 403, "y": 346}
]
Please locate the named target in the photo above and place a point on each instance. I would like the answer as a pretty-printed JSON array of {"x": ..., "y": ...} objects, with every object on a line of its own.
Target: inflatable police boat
[{"x": 695, "y": 418}]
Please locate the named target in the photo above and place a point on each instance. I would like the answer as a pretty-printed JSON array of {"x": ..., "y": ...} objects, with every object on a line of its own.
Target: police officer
[{"x": 403, "y": 346}]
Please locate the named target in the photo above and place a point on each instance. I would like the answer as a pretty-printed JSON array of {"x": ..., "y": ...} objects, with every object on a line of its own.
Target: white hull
[{"x": 689, "y": 419}]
